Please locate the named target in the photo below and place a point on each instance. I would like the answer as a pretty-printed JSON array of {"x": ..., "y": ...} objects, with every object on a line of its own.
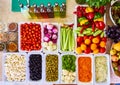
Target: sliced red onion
[
  {"x": 54, "y": 36},
  {"x": 55, "y": 30},
  {"x": 45, "y": 31},
  {"x": 48, "y": 35},
  {"x": 50, "y": 31},
  {"x": 49, "y": 26},
  {"x": 46, "y": 39},
  {"x": 54, "y": 40}
]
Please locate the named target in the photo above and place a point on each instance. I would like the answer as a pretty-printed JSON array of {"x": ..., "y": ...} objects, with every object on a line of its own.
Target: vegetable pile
[
  {"x": 15, "y": 67},
  {"x": 67, "y": 38},
  {"x": 115, "y": 58},
  {"x": 101, "y": 69},
  {"x": 68, "y": 68},
  {"x": 35, "y": 67},
  {"x": 84, "y": 69},
  {"x": 51, "y": 68},
  {"x": 90, "y": 30},
  {"x": 94, "y": 3},
  {"x": 50, "y": 37},
  {"x": 30, "y": 36},
  {"x": 113, "y": 32},
  {"x": 115, "y": 11}
]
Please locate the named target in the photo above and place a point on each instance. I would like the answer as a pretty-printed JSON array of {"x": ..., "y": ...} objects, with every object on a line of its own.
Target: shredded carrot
[{"x": 84, "y": 69}]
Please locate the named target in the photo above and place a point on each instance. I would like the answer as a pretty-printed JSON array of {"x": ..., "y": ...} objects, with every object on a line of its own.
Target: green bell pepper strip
[{"x": 97, "y": 15}]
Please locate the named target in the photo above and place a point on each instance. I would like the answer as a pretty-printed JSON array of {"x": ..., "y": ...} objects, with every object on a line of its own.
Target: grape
[{"x": 113, "y": 32}]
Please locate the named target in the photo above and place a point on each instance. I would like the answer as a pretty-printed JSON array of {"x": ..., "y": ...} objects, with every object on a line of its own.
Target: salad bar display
[{"x": 74, "y": 52}]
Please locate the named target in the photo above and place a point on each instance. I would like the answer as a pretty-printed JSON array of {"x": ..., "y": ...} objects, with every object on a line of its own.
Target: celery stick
[
  {"x": 61, "y": 38},
  {"x": 66, "y": 41},
  {"x": 73, "y": 40},
  {"x": 70, "y": 38},
  {"x": 64, "y": 37}
]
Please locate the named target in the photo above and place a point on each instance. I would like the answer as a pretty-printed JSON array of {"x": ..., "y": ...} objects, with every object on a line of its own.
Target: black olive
[{"x": 35, "y": 65}]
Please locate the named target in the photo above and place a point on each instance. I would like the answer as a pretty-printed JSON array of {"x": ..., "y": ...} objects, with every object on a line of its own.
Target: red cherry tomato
[
  {"x": 87, "y": 51},
  {"x": 102, "y": 50},
  {"x": 101, "y": 25},
  {"x": 85, "y": 37},
  {"x": 91, "y": 37},
  {"x": 30, "y": 34},
  {"x": 104, "y": 39},
  {"x": 79, "y": 39}
]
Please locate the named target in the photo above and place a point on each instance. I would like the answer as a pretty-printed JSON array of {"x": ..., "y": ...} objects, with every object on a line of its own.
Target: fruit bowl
[
  {"x": 115, "y": 58},
  {"x": 114, "y": 12}
]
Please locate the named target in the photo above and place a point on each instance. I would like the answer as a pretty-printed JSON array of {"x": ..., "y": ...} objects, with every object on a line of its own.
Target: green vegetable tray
[{"x": 15, "y": 4}]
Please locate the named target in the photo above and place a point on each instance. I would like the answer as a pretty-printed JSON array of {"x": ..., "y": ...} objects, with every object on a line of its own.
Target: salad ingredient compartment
[
  {"x": 35, "y": 67},
  {"x": 67, "y": 41},
  {"x": 30, "y": 37},
  {"x": 85, "y": 69},
  {"x": 52, "y": 73},
  {"x": 12, "y": 46},
  {"x": 14, "y": 67},
  {"x": 101, "y": 69},
  {"x": 2, "y": 46},
  {"x": 68, "y": 74},
  {"x": 3, "y": 36},
  {"x": 90, "y": 25},
  {"x": 13, "y": 26},
  {"x": 50, "y": 37},
  {"x": 13, "y": 36}
]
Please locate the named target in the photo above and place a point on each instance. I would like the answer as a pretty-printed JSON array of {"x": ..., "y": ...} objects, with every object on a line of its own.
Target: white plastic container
[
  {"x": 59, "y": 66},
  {"x": 57, "y": 44},
  {"x": 61, "y": 82},
  {"x": 43, "y": 66},
  {"x": 107, "y": 82},
  {"x": 60, "y": 40},
  {"x": 86, "y": 83},
  {"x": 76, "y": 27},
  {"x": 19, "y": 37},
  {"x": 3, "y": 71}
]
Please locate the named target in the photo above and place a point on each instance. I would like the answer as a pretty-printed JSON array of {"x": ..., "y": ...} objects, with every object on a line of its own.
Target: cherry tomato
[
  {"x": 79, "y": 39},
  {"x": 101, "y": 25},
  {"x": 91, "y": 37},
  {"x": 102, "y": 50},
  {"x": 104, "y": 39},
  {"x": 85, "y": 37},
  {"x": 87, "y": 51},
  {"x": 29, "y": 38}
]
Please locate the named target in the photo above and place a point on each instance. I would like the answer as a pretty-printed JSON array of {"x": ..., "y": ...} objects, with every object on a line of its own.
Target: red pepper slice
[{"x": 93, "y": 27}]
